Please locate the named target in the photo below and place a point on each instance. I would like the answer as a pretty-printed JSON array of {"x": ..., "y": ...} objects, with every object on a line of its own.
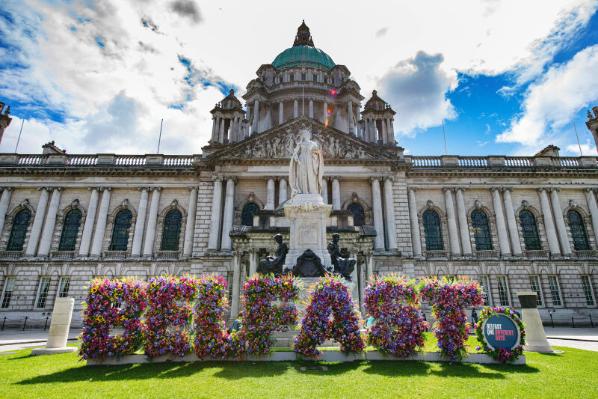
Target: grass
[{"x": 62, "y": 376}]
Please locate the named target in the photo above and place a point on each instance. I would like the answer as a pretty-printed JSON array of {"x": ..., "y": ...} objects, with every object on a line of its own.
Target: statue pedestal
[{"x": 307, "y": 214}]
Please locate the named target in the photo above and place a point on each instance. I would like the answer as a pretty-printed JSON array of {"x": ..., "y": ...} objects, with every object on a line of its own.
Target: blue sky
[{"x": 503, "y": 77}]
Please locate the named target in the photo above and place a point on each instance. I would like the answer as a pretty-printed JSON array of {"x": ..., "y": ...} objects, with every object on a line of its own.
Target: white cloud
[
  {"x": 551, "y": 103},
  {"x": 66, "y": 70},
  {"x": 416, "y": 88},
  {"x": 587, "y": 149}
]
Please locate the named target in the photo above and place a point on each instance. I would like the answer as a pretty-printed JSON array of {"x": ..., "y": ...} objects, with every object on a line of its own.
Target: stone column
[
  {"x": 384, "y": 135},
  {"x": 38, "y": 221},
  {"x": 592, "y": 206},
  {"x": 139, "y": 223},
  {"x": 324, "y": 112},
  {"x": 48, "y": 232},
  {"x": 378, "y": 222},
  {"x": 311, "y": 109},
  {"x": 190, "y": 223},
  {"x": 98, "y": 236},
  {"x": 560, "y": 222},
  {"x": 295, "y": 109},
  {"x": 253, "y": 262},
  {"x": 503, "y": 236},
  {"x": 281, "y": 113},
  {"x": 553, "y": 241},
  {"x": 392, "y": 132},
  {"x": 336, "y": 194},
  {"x": 5, "y": 202},
  {"x": 221, "y": 130},
  {"x": 415, "y": 232},
  {"x": 369, "y": 266},
  {"x": 214, "y": 237},
  {"x": 282, "y": 191},
  {"x": 234, "y": 308},
  {"x": 452, "y": 222},
  {"x": 229, "y": 209},
  {"x": 214, "y": 129},
  {"x": 511, "y": 222},
  {"x": 89, "y": 221},
  {"x": 152, "y": 219},
  {"x": 350, "y": 128},
  {"x": 463, "y": 225},
  {"x": 270, "y": 190},
  {"x": 325, "y": 189},
  {"x": 256, "y": 117},
  {"x": 389, "y": 208}
]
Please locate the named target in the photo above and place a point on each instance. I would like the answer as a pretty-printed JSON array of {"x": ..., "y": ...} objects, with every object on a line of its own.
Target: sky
[{"x": 492, "y": 76}]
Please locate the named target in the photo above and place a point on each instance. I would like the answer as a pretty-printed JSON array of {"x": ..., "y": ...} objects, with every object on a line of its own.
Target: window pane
[
  {"x": 487, "y": 293},
  {"x": 249, "y": 211},
  {"x": 9, "y": 286},
  {"x": 481, "y": 231},
  {"x": 578, "y": 231},
  {"x": 529, "y": 228},
  {"x": 171, "y": 231},
  {"x": 555, "y": 290},
  {"x": 534, "y": 282},
  {"x": 70, "y": 230},
  {"x": 63, "y": 288},
  {"x": 503, "y": 291},
  {"x": 588, "y": 292},
  {"x": 19, "y": 230},
  {"x": 42, "y": 294},
  {"x": 120, "y": 231},
  {"x": 432, "y": 231}
]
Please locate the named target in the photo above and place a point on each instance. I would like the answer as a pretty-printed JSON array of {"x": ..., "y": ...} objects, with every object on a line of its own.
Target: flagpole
[
  {"x": 444, "y": 134},
  {"x": 577, "y": 135},
  {"x": 19, "y": 138},
  {"x": 160, "y": 136}
]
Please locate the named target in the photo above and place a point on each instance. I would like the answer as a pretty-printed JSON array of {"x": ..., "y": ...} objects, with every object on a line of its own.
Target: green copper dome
[
  {"x": 303, "y": 56},
  {"x": 303, "y": 53}
]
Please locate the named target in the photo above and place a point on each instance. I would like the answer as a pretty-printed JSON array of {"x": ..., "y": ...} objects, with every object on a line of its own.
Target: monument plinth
[
  {"x": 535, "y": 337},
  {"x": 308, "y": 215},
  {"x": 59, "y": 328}
]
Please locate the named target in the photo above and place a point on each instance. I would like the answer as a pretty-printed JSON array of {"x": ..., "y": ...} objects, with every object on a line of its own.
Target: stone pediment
[{"x": 279, "y": 143}]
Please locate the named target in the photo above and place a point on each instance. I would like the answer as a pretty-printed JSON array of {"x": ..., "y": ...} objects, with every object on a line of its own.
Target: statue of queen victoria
[{"x": 307, "y": 166}]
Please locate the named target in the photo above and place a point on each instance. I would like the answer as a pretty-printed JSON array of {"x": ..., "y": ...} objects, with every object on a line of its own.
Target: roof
[{"x": 303, "y": 53}]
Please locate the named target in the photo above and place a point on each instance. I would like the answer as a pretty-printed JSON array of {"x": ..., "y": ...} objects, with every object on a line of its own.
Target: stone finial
[{"x": 303, "y": 37}]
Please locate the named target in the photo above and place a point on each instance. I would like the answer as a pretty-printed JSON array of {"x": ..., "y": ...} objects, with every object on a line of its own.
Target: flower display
[
  {"x": 259, "y": 313},
  {"x": 330, "y": 297},
  {"x": 501, "y": 354},
  {"x": 449, "y": 298},
  {"x": 167, "y": 327},
  {"x": 211, "y": 338},
  {"x": 399, "y": 327},
  {"x": 112, "y": 304}
]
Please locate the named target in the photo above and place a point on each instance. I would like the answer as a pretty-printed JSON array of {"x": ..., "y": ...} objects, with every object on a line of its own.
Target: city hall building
[{"x": 513, "y": 223}]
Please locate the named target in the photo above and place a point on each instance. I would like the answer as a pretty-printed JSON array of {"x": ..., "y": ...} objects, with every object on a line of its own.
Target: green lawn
[{"x": 568, "y": 375}]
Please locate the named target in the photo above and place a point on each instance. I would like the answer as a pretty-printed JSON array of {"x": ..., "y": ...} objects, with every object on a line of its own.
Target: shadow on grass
[
  {"x": 168, "y": 370},
  {"x": 397, "y": 369}
]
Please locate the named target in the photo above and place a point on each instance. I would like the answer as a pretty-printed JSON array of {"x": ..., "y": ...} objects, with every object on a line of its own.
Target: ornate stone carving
[{"x": 274, "y": 264}]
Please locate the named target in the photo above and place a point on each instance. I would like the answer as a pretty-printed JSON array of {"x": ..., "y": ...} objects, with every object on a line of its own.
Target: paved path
[{"x": 11, "y": 340}]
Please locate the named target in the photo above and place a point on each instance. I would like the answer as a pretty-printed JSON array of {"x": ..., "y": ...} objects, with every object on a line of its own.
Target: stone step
[{"x": 289, "y": 342}]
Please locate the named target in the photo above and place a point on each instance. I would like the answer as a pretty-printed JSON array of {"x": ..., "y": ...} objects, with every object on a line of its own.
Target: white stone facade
[{"x": 229, "y": 200}]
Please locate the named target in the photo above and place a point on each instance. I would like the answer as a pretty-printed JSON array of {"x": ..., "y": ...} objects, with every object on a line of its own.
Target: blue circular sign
[{"x": 501, "y": 332}]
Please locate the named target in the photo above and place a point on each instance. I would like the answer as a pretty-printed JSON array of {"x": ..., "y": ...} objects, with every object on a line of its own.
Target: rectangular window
[
  {"x": 534, "y": 283},
  {"x": 9, "y": 286},
  {"x": 487, "y": 291},
  {"x": 555, "y": 290},
  {"x": 503, "y": 291},
  {"x": 63, "y": 286},
  {"x": 42, "y": 292},
  {"x": 588, "y": 291}
]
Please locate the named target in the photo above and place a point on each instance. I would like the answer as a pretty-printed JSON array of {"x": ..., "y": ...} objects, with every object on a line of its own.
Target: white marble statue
[{"x": 307, "y": 166}]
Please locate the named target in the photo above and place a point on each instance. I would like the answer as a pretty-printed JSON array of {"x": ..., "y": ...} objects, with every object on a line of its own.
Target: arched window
[
  {"x": 249, "y": 211},
  {"x": 432, "y": 231},
  {"x": 529, "y": 228},
  {"x": 120, "y": 231},
  {"x": 358, "y": 213},
  {"x": 481, "y": 230},
  {"x": 171, "y": 231},
  {"x": 578, "y": 231},
  {"x": 70, "y": 230},
  {"x": 19, "y": 230}
]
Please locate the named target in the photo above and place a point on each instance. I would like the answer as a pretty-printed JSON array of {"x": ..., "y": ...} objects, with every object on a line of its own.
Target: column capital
[
  {"x": 541, "y": 190},
  {"x": 191, "y": 188},
  {"x": 505, "y": 189},
  {"x": 235, "y": 179},
  {"x": 145, "y": 188},
  {"x": 554, "y": 189},
  {"x": 375, "y": 178},
  {"x": 157, "y": 188},
  {"x": 92, "y": 188},
  {"x": 217, "y": 177},
  {"x": 412, "y": 189},
  {"x": 445, "y": 189},
  {"x": 590, "y": 189},
  {"x": 390, "y": 178},
  {"x": 102, "y": 188}
]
